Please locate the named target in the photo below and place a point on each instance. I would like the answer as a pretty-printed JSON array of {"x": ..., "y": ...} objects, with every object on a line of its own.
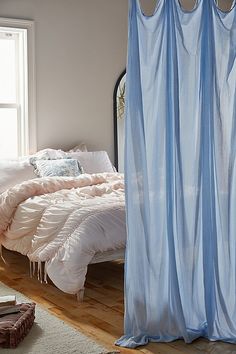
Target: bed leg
[{"x": 80, "y": 295}]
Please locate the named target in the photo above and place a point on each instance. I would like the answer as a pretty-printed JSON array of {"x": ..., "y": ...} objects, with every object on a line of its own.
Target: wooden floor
[{"x": 100, "y": 316}]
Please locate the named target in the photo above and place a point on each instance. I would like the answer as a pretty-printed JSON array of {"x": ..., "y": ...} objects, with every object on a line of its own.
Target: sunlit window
[{"x": 15, "y": 95}]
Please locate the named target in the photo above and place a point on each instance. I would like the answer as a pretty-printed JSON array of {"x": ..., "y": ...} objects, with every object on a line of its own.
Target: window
[{"x": 17, "y": 91}]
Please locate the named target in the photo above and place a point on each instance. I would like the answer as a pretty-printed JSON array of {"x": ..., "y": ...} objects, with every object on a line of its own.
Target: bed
[{"x": 63, "y": 223}]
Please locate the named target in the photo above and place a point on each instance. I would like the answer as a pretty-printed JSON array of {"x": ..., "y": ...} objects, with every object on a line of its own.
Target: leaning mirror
[{"x": 119, "y": 121}]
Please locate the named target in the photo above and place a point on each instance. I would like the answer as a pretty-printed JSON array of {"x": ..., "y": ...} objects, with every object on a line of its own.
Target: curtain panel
[{"x": 180, "y": 272}]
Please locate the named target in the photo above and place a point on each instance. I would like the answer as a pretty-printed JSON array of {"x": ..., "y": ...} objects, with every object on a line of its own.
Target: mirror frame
[{"x": 115, "y": 106}]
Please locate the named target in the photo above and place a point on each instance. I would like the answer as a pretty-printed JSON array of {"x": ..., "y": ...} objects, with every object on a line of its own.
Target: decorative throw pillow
[{"x": 60, "y": 167}]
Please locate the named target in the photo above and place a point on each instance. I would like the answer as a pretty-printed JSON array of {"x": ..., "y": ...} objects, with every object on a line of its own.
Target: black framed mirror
[{"x": 119, "y": 121}]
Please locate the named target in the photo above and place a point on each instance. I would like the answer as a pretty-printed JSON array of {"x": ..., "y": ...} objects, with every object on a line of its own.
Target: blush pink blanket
[{"x": 64, "y": 222}]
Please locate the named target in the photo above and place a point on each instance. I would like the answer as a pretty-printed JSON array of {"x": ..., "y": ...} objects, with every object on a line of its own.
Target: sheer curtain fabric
[{"x": 180, "y": 279}]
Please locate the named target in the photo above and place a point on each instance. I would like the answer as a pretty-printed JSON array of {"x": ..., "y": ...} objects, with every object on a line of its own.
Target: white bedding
[{"x": 64, "y": 222}]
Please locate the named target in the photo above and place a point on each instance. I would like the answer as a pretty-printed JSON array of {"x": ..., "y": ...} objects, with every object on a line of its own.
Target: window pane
[
  {"x": 7, "y": 71},
  {"x": 8, "y": 133}
]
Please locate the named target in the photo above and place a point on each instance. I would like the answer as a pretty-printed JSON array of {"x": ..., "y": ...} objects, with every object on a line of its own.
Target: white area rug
[{"x": 50, "y": 335}]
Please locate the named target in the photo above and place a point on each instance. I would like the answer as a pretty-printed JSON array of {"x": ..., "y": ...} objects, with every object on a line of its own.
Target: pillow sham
[
  {"x": 93, "y": 161},
  {"x": 48, "y": 154},
  {"x": 15, "y": 171},
  {"x": 61, "y": 167},
  {"x": 80, "y": 147}
]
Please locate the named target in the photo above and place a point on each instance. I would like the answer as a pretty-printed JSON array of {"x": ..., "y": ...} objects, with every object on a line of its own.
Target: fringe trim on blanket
[
  {"x": 1, "y": 255},
  {"x": 38, "y": 269}
]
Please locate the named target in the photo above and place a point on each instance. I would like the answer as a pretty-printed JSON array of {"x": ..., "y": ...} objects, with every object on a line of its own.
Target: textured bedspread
[{"x": 64, "y": 222}]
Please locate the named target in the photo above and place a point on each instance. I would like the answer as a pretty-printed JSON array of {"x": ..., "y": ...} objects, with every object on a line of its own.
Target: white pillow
[
  {"x": 80, "y": 147},
  {"x": 13, "y": 172},
  {"x": 51, "y": 154},
  {"x": 93, "y": 161}
]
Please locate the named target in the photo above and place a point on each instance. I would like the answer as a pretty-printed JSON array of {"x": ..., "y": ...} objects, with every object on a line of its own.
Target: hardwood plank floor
[{"x": 100, "y": 316}]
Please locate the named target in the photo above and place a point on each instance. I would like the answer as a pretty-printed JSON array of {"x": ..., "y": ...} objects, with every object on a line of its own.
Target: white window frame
[{"x": 29, "y": 132}]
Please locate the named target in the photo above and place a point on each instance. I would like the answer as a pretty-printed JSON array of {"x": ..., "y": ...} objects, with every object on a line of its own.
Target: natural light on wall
[{"x": 14, "y": 140}]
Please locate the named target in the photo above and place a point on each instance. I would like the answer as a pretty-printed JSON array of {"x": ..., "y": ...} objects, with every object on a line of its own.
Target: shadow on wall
[{"x": 148, "y": 6}]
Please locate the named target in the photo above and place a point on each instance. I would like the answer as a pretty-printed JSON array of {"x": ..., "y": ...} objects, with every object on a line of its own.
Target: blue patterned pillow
[{"x": 60, "y": 167}]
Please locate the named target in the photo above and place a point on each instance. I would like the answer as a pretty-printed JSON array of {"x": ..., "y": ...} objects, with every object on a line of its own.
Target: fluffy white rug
[{"x": 50, "y": 335}]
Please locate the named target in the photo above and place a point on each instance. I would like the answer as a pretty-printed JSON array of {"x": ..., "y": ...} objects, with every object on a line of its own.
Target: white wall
[
  {"x": 149, "y": 5},
  {"x": 80, "y": 52}
]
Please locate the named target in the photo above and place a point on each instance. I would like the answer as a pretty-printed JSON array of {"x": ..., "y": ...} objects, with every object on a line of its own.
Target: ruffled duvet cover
[{"x": 64, "y": 222}]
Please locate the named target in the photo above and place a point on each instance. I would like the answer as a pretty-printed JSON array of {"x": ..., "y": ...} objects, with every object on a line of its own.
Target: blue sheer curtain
[{"x": 180, "y": 174}]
